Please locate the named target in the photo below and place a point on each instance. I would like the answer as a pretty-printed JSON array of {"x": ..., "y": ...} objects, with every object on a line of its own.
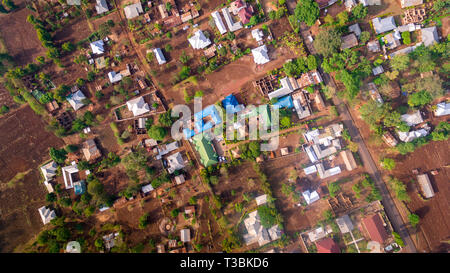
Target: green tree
[
  {"x": 364, "y": 37},
  {"x": 400, "y": 62},
  {"x": 327, "y": 42},
  {"x": 406, "y": 36},
  {"x": 157, "y": 133},
  {"x": 312, "y": 62},
  {"x": 59, "y": 156},
  {"x": 441, "y": 132},
  {"x": 50, "y": 197},
  {"x": 388, "y": 163},
  {"x": 143, "y": 221},
  {"x": 68, "y": 47},
  {"x": 268, "y": 216},
  {"x": 307, "y": 11},
  {"x": 359, "y": 11},
  {"x": 413, "y": 219},
  {"x": 342, "y": 18},
  {"x": 420, "y": 98},
  {"x": 333, "y": 188}
]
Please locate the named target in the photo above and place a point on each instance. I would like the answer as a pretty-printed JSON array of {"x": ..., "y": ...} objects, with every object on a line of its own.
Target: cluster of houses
[
  {"x": 373, "y": 227},
  {"x": 292, "y": 92},
  {"x": 73, "y": 178},
  {"x": 256, "y": 233}
]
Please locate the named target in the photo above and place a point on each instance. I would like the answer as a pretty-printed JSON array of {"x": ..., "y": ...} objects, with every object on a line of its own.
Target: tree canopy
[
  {"x": 307, "y": 11},
  {"x": 327, "y": 42}
]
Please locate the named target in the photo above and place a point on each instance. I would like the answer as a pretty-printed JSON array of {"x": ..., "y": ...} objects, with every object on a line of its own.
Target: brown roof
[
  {"x": 374, "y": 226},
  {"x": 349, "y": 41},
  {"x": 327, "y": 245}
]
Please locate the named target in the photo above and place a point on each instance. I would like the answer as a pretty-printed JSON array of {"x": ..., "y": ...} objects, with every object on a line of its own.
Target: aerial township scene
[{"x": 350, "y": 98}]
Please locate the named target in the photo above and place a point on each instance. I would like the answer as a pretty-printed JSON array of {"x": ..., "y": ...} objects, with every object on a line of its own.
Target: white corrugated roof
[
  {"x": 218, "y": 21},
  {"x": 97, "y": 47},
  {"x": 199, "y": 40},
  {"x": 260, "y": 55},
  {"x": 138, "y": 106}
]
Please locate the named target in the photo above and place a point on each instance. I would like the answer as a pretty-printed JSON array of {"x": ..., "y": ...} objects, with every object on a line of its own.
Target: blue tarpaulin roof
[
  {"x": 200, "y": 125},
  {"x": 284, "y": 102},
  {"x": 229, "y": 100}
]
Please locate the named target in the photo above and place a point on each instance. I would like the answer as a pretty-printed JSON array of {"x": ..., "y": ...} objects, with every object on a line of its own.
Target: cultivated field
[
  {"x": 23, "y": 147},
  {"x": 19, "y": 36}
]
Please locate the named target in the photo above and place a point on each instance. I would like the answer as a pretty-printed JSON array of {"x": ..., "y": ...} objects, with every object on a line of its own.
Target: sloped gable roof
[
  {"x": 199, "y": 40},
  {"x": 260, "y": 55}
]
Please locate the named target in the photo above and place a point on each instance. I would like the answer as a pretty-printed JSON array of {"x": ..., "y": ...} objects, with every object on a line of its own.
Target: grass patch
[{"x": 16, "y": 180}]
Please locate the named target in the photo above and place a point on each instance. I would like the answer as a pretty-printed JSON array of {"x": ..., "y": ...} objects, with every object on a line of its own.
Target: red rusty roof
[{"x": 374, "y": 226}]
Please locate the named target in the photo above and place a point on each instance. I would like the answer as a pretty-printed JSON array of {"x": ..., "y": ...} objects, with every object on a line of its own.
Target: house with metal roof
[
  {"x": 310, "y": 196},
  {"x": 325, "y": 173},
  {"x": 257, "y": 34},
  {"x": 114, "y": 77},
  {"x": 218, "y": 22},
  {"x": 327, "y": 245},
  {"x": 286, "y": 88},
  {"x": 410, "y": 3},
  {"x": 413, "y": 118},
  {"x": 383, "y": 25},
  {"x": 159, "y": 55},
  {"x": 46, "y": 214},
  {"x": 256, "y": 233},
  {"x": 261, "y": 200},
  {"x": 392, "y": 40},
  {"x": 260, "y": 55},
  {"x": 132, "y": 11},
  {"x": 198, "y": 40},
  {"x": 411, "y": 135},
  {"x": 374, "y": 226},
  {"x": 349, "y": 160},
  {"x": 70, "y": 175},
  {"x": 349, "y": 41},
  {"x": 430, "y": 36},
  {"x": 175, "y": 162},
  {"x": 98, "y": 47},
  {"x": 232, "y": 26},
  {"x": 101, "y": 6},
  {"x": 344, "y": 223},
  {"x": 205, "y": 148},
  {"x": 138, "y": 106},
  {"x": 90, "y": 150},
  {"x": 76, "y": 100},
  {"x": 355, "y": 29},
  {"x": 49, "y": 170},
  {"x": 373, "y": 46},
  {"x": 185, "y": 235},
  {"x": 377, "y": 70},
  {"x": 147, "y": 188},
  {"x": 179, "y": 179},
  {"x": 425, "y": 185},
  {"x": 442, "y": 109}
]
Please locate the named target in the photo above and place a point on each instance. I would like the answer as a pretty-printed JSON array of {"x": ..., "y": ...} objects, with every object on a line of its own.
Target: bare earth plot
[
  {"x": 19, "y": 36},
  {"x": 434, "y": 213}
]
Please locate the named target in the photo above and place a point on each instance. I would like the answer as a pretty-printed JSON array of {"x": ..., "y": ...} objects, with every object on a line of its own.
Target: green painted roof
[{"x": 204, "y": 147}]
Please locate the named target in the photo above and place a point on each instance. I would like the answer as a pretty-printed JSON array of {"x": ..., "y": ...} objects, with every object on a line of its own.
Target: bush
[
  {"x": 333, "y": 188},
  {"x": 388, "y": 163},
  {"x": 406, "y": 36},
  {"x": 267, "y": 215}
]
